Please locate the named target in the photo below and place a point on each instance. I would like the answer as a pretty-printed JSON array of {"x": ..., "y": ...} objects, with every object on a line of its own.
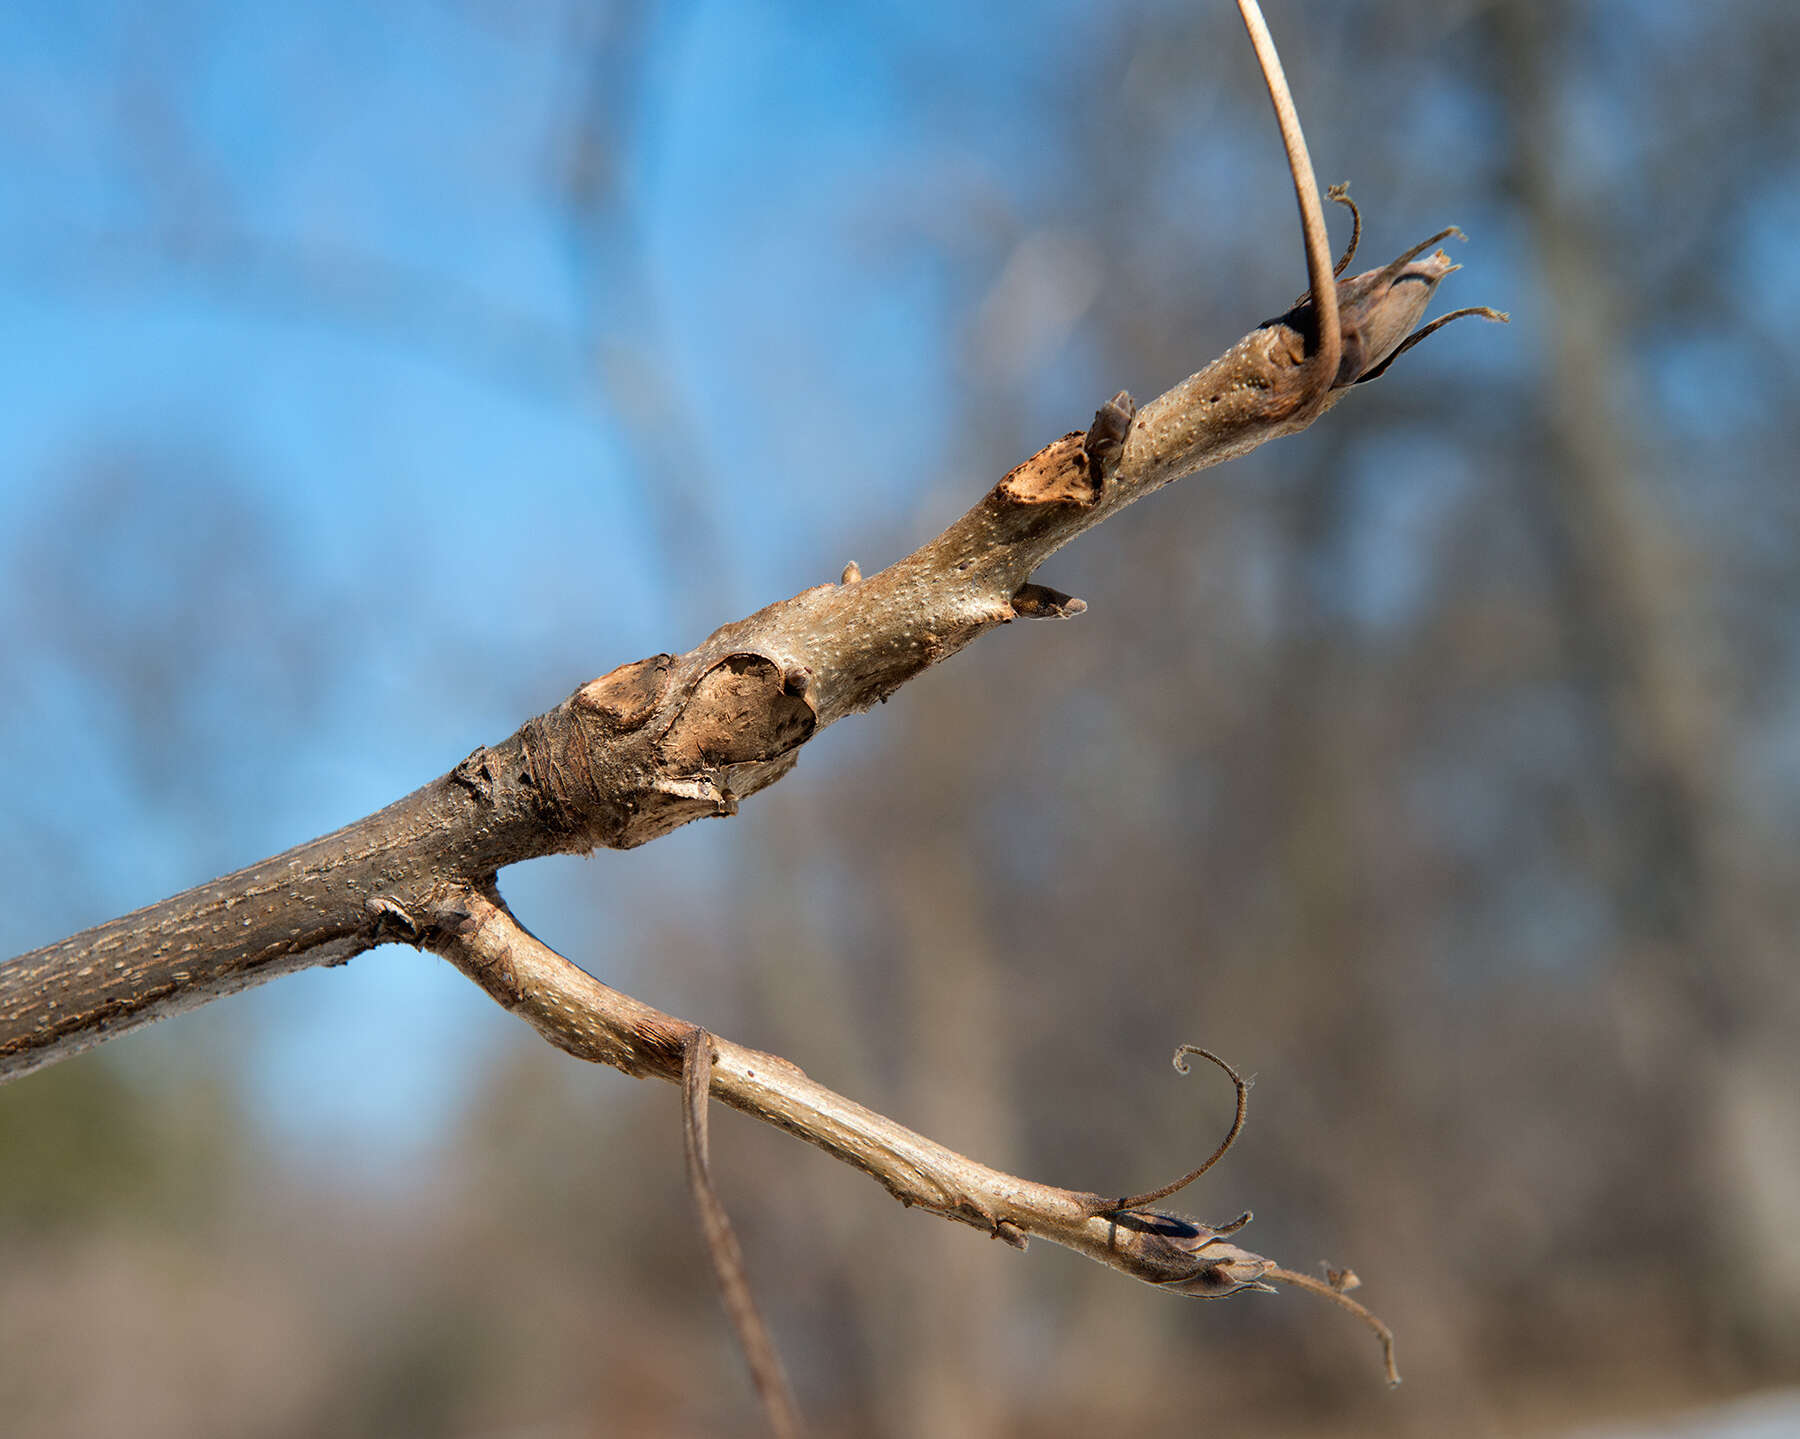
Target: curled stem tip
[
  {"x": 1340, "y": 194},
  {"x": 1484, "y": 312},
  {"x": 1335, "y": 1293},
  {"x": 1180, "y": 1061}
]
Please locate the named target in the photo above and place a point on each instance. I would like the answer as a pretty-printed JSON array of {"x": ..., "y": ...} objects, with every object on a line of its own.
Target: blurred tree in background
[{"x": 374, "y": 381}]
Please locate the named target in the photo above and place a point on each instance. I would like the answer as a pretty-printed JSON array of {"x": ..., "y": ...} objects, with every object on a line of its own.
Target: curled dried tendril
[
  {"x": 1187, "y": 1257},
  {"x": 1138, "y": 1201},
  {"x": 1340, "y": 193},
  {"x": 1485, "y": 312}
]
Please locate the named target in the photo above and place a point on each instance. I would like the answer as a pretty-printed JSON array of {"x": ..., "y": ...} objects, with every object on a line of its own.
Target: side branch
[{"x": 580, "y": 1015}]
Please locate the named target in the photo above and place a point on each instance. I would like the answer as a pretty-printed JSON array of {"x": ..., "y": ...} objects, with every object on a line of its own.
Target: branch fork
[{"x": 475, "y": 931}]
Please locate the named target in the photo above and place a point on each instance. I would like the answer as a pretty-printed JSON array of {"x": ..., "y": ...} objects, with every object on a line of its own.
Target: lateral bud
[
  {"x": 1105, "y": 439},
  {"x": 1185, "y": 1256},
  {"x": 1040, "y": 602}
]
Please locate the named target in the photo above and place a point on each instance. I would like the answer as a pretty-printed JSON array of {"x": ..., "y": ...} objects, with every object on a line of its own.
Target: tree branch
[
  {"x": 665, "y": 740},
  {"x": 656, "y": 743},
  {"x": 578, "y": 1014}
]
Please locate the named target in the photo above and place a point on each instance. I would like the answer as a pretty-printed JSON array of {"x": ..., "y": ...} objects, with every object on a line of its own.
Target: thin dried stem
[
  {"x": 766, "y": 1371},
  {"x": 1481, "y": 312},
  {"x": 1319, "y": 272},
  {"x": 1335, "y": 1293}
]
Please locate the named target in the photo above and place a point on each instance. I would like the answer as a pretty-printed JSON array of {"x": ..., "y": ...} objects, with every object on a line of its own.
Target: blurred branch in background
[{"x": 613, "y": 52}]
